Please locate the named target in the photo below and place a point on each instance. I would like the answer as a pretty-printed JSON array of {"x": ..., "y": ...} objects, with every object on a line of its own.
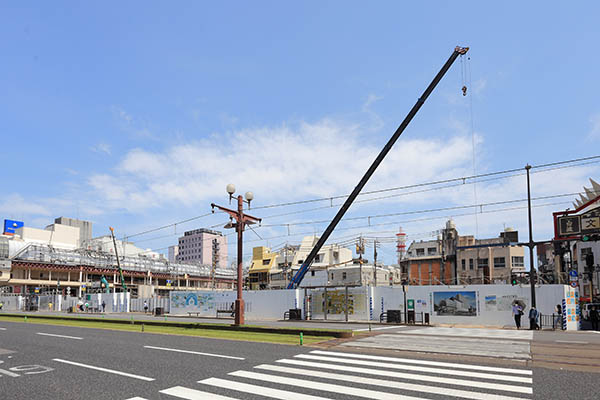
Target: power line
[{"x": 451, "y": 180}]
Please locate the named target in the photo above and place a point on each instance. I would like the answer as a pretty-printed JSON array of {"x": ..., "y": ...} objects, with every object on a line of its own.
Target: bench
[{"x": 229, "y": 312}]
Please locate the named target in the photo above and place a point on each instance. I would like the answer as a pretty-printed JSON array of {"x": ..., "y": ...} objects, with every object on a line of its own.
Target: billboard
[
  {"x": 462, "y": 303},
  {"x": 10, "y": 226}
]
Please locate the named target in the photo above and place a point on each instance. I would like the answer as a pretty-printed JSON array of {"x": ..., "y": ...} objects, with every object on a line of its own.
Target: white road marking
[
  {"x": 2, "y": 329},
  {"x": 387, "y": 383},
  {"x": 328, "y": 387},
  {"x": 570, "y": 341},
  {"x": 379, "y": 329},
  {"x": 110, "y": 371},
  {"x": 137, "y": 398},
  {"x": 259, "y": 390},
  {"x": 194, "y": 352},
  {"x": 425, "y": 362},
  {"x": 472, "y": 332},
  {"x": 414, "y": 377},
  {"x": 442, "y": 371},
  {"x": 60, "y": 336},
  {"x": 191, "y": 394}
]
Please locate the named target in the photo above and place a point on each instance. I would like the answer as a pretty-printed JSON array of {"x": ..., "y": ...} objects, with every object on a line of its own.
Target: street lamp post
[
  {"x": 531, "y": 243},
  {"x": 241, "y": 220}
]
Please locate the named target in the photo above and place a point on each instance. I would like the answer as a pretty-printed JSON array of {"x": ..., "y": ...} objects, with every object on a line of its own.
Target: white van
[{"x": 585, "y": 312}]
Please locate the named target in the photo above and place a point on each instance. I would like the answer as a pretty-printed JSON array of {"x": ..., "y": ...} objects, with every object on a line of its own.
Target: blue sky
[{"x": 137, "y": 114}]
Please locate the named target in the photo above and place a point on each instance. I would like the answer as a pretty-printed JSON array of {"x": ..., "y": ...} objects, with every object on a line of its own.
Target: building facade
[{"x": 203, "y": 246}]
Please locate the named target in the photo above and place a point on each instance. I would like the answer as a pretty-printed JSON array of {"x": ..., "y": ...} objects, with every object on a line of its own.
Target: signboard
[
  {"x": 580, "y": 224},
  {"x": 590, "y": 221},
  {"x": 569, "y": 226},
  {"x": 10, "y": 226},
  {"x": 410, "y": 304}
]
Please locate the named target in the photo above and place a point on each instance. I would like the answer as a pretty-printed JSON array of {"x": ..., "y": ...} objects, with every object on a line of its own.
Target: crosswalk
[
  {"x": 322, "y": 374},
  {"x": 501, "y": 343}
]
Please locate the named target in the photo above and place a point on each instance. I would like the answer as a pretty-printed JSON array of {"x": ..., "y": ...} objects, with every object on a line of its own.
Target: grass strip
[{"x": 165, "y": 329}]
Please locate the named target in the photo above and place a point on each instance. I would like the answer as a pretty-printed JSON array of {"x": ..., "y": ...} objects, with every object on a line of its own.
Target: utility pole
[
  {"x": 531, "y": 244},
  {"x": 215, "y": 261},
  {"x": 375, "y": 262},
  {"x": 241, "y": 220}
]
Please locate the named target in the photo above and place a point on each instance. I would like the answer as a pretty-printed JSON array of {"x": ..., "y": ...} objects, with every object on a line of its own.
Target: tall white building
[{"x": 200, "y": 246}]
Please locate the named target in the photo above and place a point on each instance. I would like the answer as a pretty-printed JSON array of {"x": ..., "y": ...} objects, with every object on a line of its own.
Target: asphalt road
[{"x": 83, "y": 363}]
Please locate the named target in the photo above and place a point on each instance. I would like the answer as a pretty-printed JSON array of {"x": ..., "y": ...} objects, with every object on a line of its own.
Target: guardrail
[
  {"x": 551, "y": 321},
  {"x": 399, "y": 317}
]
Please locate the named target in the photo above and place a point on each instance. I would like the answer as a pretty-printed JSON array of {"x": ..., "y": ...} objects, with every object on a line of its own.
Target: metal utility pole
[
  {"x": 531, "y": 244},
  {"x": 241, "y": 221},
  {"x": 375, "y": 262},
  {"x": 215, "y": 261},
  {"x": 386, "y": 149}
]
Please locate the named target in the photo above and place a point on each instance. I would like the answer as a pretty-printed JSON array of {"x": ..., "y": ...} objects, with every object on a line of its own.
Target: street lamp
[{"x": 241, "y": 220}]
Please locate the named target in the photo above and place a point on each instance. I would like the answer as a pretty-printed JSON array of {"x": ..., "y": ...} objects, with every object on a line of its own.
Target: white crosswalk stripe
[{"x": 341, "y": 375}]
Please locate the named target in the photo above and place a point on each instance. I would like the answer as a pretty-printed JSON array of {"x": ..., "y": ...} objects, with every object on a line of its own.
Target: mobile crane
[{"x": 297, "y": 278}]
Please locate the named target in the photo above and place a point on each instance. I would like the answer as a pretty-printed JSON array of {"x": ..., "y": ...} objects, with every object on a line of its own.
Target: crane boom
[{"x": 311, "y": 256}]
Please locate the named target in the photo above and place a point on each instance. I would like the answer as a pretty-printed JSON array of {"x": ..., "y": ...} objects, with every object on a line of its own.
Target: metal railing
[{"x": 551, "y": 321}]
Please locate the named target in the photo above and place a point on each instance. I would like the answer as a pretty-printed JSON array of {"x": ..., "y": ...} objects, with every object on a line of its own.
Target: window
[
  {"x": 464, "y": 266},
  {"x": 318, "y": 258},
  {"x": 499, "y": 262},
  {"x": 420, "y": 252},
  {"x": 312, "y": 273},
  {"x": 517, "y": 261},
  {"x": 300, "y": 262},
  {"x": 431, "y": 251},
  {"x": 266, "y": 262},
  {"x": 482, "y": 263},
  {"x": 332, "y": 276},
  {"x": 343, "y": 275},
  {"x": 470, "y": 263}
]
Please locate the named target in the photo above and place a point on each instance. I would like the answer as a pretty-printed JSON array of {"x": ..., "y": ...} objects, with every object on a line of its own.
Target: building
[
  {"x": 38, "y": 261},
  {"x": 484, "y": 261},
  {"x": 203, "y": 246},
  {"x": 432, "y": 262},
  {"x": 274, "y": 270},
  {"x": 173, "y": 253},
  {"x": 454, "y": 259},
  {"x": 85, "y": 227}
]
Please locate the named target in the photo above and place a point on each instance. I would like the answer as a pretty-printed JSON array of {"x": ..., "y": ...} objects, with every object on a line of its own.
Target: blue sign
[
  {"x": 11, "y": 226},
  {"x": 573, "y": 273}
]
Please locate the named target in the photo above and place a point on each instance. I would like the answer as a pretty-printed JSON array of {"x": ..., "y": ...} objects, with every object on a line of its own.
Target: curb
[{"x": 196, "y": 325}]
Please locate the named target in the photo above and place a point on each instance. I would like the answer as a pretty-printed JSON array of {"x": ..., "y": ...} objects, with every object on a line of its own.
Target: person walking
[
  {"x": 103, "y": 305},
  {"x": 517, "y": 311},
  {"x": 558, "y": 319},
  {"x": 533, "y": 317},
  {"x": 145, "y": 306},
  {"x": 594, "y": 318}
]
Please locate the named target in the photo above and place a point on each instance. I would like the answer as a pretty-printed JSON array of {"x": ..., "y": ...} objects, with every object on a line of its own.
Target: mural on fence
[
  {"x": 455, "y": 303},
  {"x": 204, "y": 302},
  {"x": 336, "y": 303}
]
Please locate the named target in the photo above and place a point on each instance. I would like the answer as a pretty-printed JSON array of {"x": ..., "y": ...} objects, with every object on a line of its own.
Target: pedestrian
[
  {"x": 533, "y": 317},
  {"x": 103, "y": 305},
  {"x": 1, "y": 305},
  {"x": 558, "y": 319},
  {"x": 517, "y": 311},
  {"x": 594, "y": 318},
  {"x": 145, "y": 306}
]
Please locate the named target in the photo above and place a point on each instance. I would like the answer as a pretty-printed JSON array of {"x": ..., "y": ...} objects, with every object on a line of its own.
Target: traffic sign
[
  {"x": 574, "y": 284},
  {"x": 573, "y": 273},
  {"x": 410, "y": 303}
]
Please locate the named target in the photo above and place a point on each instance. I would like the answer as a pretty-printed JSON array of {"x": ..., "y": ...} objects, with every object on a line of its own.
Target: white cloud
[
  {"x": 102, "y": 148},
  {"x": 281, "y": 163},
  {"x": 15, "y": 205}
]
